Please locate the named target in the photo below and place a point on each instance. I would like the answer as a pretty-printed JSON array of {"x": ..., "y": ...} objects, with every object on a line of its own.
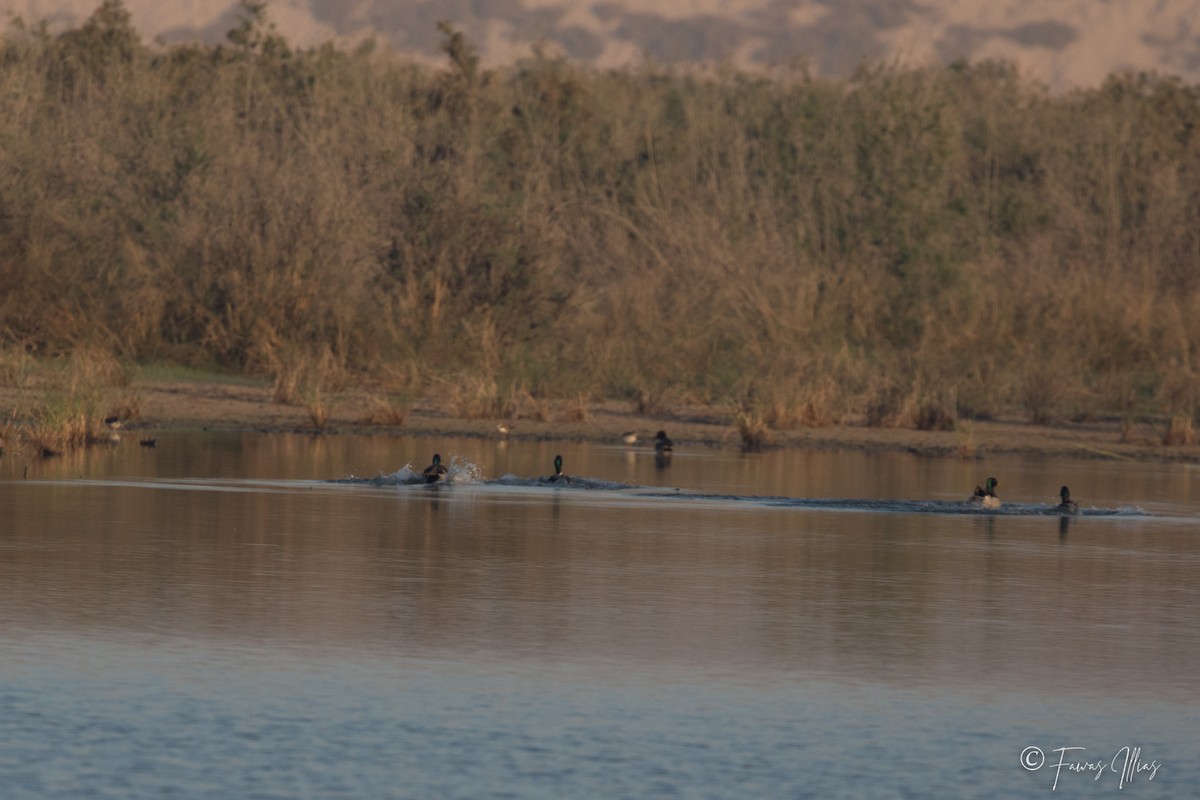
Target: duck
[
  {"x": 986, "y": 495},
  {"x": 558, "y": 476},
  {"x": 1067, "y": 506},
  {"x": 504, "y": 428},
  {"x": 662, "y": 444},
  {"x": 435, "y": 471},
  {"x": 113, "y": 422},
  {"x": 629, "y": 437}
]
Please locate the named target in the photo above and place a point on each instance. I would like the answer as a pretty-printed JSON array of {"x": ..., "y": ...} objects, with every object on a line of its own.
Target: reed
[
  {"x": 58, "y": 404},
  {"x": 576, "y": 409},
  {"x": 965, "y": 436},
  {"x": 1127, "y": 429},
  {"x": 888, "y": 405},
  {"x": 652, "y": 401},
  {"x": 646, "y": 234},
  {"x": 9, "y": 430},
  {"x": 1180, "y": 431},
  {"x": 387, "y": 409},
  {"x": 754, "y": 431},
  {"x": 319, "y": 408},
  {"x": 62, "y": 421},
  {"x": 1039, "y": 394},
  {"x": 472, "y": 397},
  {"x": 932, "y": 414}
]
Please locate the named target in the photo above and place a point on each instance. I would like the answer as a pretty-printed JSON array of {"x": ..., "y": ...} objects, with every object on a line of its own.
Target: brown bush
[{"x": 641, "y": 233}]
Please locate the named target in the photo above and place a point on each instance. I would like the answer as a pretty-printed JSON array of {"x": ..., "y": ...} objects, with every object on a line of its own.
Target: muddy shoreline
[{"x": 179, "y": 405}]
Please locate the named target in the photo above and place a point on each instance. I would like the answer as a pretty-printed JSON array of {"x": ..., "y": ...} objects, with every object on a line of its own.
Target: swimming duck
[
  {"x": 629, "y": 437},
  {"x": 986, "y": 495},
  {"x": 558, "y": 476},
  {"x": 662, "y": 444},
  {"x": 435, "y": 471},
  {"x": 504, "y": 428},
  {"x": 1067, "y": 506}
]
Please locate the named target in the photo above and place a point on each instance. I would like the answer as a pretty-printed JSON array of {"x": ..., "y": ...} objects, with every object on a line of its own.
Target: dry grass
[
  {"x": 965, "y": 434},
  {"x": 64, "y": 402},
  {"x": 1040, "y": 394},
  {"x": 822, "y": 405},
  {"x": 285, "y": 387},
  {"x": 311, "y": 379},
  {"x": 887, "y": 405},
  {"x": 319, "y": 408},
  {"x": 1180, "y": 431},
  {"x": 782, "y": 415},
  {"x": 754, "y": 431},
  {"x": 652, "y": 401},
  {"x": 785, "y": 406},
  {"x": 471, "y": 397},
  {"x": 535, "y": 409},
  {"x": 577, "y": 409},
  {"x": 16, "y": 367},
  {"x": 386, "y": 409},
  {"x": 935, "y": 412},
  {"x": 867, "y": 247},
  {"x": 61, "y": 422}
]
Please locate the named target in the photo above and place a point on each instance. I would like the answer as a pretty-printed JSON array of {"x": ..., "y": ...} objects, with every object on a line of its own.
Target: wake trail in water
[
  {"x": 462, "y": 474},
  {"x": 465, "y": 473}
]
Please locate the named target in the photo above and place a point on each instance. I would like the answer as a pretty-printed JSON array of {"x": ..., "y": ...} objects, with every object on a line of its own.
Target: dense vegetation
[{"x": 912, "y": 245}]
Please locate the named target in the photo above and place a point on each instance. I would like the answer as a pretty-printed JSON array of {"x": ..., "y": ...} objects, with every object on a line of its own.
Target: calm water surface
[{"x": 262, "y": 616}]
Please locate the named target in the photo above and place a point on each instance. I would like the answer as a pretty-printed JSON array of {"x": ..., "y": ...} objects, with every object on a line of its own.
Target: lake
[{"x": 247, "y": 615}]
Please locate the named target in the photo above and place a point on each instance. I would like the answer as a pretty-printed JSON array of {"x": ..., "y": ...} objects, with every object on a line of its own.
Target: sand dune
[{"x": 1063, "y": 44}]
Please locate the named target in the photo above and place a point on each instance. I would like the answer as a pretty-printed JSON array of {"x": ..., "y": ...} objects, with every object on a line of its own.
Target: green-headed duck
[
  {"x": 986, "y": 495},
  {"x": 558, "y": 476},
  {"x": 435, "y": 471},
  {"x": 1067, "y": 506}
]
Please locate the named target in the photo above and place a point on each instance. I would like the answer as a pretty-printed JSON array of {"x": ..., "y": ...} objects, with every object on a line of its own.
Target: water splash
[
  {"x": 461, "y": 472},
  {"x": 458, "y": 472}
]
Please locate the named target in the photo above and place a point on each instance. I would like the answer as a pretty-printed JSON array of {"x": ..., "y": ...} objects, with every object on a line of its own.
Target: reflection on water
[{"x": 200, "y": 618}]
